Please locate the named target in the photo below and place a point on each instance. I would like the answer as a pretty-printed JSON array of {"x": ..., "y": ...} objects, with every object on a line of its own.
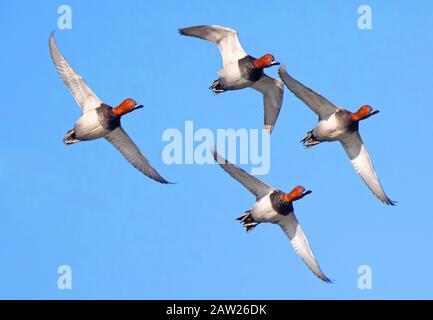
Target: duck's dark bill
[{"x": 307, "y": 192}]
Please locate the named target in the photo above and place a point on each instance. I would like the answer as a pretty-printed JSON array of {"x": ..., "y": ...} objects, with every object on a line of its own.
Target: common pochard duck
[
  {"x": 274, "y": 206},
  {"x": 338, "y": 124},
  {"x": 98, "y": 119},
  {"x": 241, "y": 70}
]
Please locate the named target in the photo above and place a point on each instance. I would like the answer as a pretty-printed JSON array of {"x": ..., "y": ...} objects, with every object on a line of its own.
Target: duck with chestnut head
[
  {"x": 241, "y": 70},
  {"x": 98, "y": 119},
  {"x": 274, "y": 206},
  {"x": 338, "y": 124}
]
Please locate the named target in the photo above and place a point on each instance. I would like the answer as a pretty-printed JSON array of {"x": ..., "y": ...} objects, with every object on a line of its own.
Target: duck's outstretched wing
[
  {"x": 84, "y": 96},
  {"x": 226, "y": 39},
  {"x": 120, "y": 139},
  {"x": 321, "y": 106},
  {"x": 254, "y": 185},
  {"x": 361, "y": 161},
  {"x": 273, "y": 91},
  {"x": 294, "y": 232}
]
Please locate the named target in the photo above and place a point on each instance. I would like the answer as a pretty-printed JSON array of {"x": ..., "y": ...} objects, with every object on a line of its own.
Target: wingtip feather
[
  {"x": 390, "y": 202},
  {"x": 281, "y": 69},
  {"x": 269, "y": 128},
  {"x": 166, "y": 182}
]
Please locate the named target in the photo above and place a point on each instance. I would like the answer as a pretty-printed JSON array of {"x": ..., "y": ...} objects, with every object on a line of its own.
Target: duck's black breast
[
  {"x": 107, "y": 119},
  {"x": 283, "y": 208},
  {"x": 247, "y": 70},
  {"x": 345, "y": 118}
]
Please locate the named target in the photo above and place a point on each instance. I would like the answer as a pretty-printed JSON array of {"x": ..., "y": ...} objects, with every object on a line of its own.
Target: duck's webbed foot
[
  {"x": 216, "y": 87},
  {"x": 70, "y": 137},
  {"x": 248, "y": 221},
  {"x": 309, "y": 140}
]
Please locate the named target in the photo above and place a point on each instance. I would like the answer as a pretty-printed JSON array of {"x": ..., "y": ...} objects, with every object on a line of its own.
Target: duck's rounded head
[
  {"x": 363, "y": 113},
  {"x": 297, "y": 193},
  {"x": 126, "y": 106},
  {"x": 266, "y": 61}
]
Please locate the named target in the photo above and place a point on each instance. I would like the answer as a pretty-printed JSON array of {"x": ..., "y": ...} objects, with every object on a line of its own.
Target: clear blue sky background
[{"x": 126, "y": 236}]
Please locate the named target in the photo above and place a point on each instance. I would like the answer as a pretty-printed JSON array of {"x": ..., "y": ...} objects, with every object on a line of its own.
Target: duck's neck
[
  {"x": 358, "y": 116},
  {"x": 121, "y": 110},
  {"x": 260, "y": 63}
]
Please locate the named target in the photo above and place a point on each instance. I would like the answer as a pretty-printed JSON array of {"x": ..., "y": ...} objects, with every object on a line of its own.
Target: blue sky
[{"x": 125, "y": 236}]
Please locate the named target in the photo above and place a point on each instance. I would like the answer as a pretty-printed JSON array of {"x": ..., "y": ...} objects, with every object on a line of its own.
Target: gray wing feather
[
  {"x": 254, "y": 185},
  {"x": 120, "y": 139},
  {"x": 296, "y": 235},
  {"x": 272, "y": 91},
  {"x": 226, "y": 39},
  {"x": 321, "y": 106},
  {"x": 81, "y": 92},
  {"x": 361, "y": 161}
]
